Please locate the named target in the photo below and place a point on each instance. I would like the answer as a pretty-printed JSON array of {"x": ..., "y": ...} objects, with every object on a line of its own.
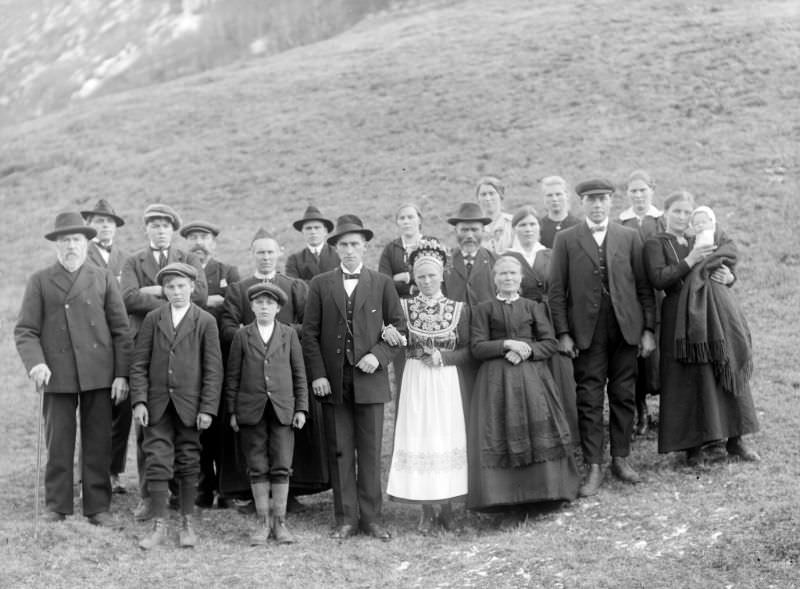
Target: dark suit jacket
[
  {"x": 236, "y": 311},
  {"x": 480, "y": 285},
  {"x": 304, "y": 265},
  {"x": 79, "y": 329},
  {"x": 140, "y": 270},
  {"x": 257, "y": 372},
  {"x": 576, "y": 287},
  {"x": 219, "y": 277},
  {"x": 325, "y": 325},
  {"x": 115, "y": 260},
  {"x": 183, "y": 365}
]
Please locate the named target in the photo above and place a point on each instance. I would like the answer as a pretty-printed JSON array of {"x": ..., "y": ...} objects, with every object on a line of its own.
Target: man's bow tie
[
  {"x": 597, "y": 228},
  {"x": 350, "y": 276},
  {"x": 104, "y": 247}
]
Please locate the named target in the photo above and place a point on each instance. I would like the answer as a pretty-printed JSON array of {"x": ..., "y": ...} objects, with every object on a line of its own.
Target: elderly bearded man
[{"x": 73, "y": 338}]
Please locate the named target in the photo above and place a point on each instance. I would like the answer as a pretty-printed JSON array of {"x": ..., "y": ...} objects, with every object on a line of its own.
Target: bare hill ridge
[{"x": 417, "y": 106}]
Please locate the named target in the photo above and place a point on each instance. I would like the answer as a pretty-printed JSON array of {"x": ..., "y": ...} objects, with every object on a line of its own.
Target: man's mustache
[{"x": 199, "y": 248}]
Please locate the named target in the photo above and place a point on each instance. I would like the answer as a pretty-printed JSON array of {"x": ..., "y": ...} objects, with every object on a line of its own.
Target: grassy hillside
[{"x": 416, "y": 106}]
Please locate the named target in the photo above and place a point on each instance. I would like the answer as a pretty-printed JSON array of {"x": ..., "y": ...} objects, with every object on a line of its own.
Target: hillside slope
[{"x": 415, "y": 107}]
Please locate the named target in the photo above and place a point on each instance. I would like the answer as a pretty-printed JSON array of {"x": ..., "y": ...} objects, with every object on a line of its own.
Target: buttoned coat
[
  {"x": 472, "y": 289},
  {"x": 78, "y": 328},
  {"x": 183, "y": 365},
  {"x": 257, "y": 372},
  {"x": 116, "y": 259},
  {"x": 576, "y": 285},
  {"x": 305, "y": 266},
  {"x": 219, "y": 277},
  {"x": 140, "y": 270},
  {"x": 236, "y": 310},
  {"x": 375, "y": 304}
]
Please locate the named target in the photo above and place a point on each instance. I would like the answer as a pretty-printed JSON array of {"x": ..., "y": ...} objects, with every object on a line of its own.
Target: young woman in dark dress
[{"x": 696, "y": 408}]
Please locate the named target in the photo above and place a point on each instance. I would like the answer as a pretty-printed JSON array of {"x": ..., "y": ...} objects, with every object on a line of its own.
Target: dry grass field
[{"x": 415, "y": 106}]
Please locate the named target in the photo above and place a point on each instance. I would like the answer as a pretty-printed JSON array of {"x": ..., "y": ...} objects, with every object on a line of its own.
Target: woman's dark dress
[
  {"x": 518, "y": 438},
  {"x": 694, "y": 409}
]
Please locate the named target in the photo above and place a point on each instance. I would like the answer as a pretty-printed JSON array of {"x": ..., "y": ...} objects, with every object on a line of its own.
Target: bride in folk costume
[{"x": 429, "y": 463}]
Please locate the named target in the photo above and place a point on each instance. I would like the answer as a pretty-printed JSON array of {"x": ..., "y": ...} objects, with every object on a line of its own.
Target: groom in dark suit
[
  {"x": 603, "y": 314},
  {"x": 346, "y": 359}
]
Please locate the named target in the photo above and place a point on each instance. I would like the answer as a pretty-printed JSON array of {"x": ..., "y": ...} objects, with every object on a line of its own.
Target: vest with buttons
[
  {"x": 601, "y": 256},
  {"x": 349, "y": 352}
]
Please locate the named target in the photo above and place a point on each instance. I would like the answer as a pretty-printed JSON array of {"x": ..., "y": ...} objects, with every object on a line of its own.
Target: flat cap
[
  {"x": 162, "y": 211},
  {"x": 176, "y": 269},
  {"x": 268, "y": 289},
  {"x": 594, "y": 186},
  {"x": 203, "y": 226}
]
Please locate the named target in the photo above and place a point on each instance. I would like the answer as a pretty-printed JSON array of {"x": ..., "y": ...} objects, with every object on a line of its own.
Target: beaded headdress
[{"x": 428, "y": 250}]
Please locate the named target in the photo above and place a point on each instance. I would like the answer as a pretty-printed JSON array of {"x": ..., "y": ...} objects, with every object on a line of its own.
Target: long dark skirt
[
  {"x": 553, "y": 472},
  {"x": 694, "y": 409}
]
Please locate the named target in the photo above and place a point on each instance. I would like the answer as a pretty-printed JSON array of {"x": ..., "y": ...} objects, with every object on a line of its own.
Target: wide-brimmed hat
[
  {"x": 176, "y": 269},
  {"x": 268, "y": 289},
  {"x": 203, "y": 226},
  {"x": 313, "y": 214},
  {"x": 103, "y": 208},
  {"x": 67, "y": 223},
  {"x": 162, "y": 211},
  {"x": 348, "y": 224},
  {"x": 469, "y": 212},
  {"x": 594, "y": 186}
]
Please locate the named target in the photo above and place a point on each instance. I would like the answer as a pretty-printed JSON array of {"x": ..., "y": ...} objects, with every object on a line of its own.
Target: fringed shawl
[{"x": 710, "y": 327}]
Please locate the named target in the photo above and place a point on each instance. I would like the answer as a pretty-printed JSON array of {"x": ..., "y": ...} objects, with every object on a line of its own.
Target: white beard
[{"x": 72, "y": 265}]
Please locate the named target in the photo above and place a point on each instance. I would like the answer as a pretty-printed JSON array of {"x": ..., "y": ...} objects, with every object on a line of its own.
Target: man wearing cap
[
  {"x": 142, "y": 293},
  {"x": 176, "y": 383},
  {"x": 139, "y": 288},
  {"x": 72, "y": 335},
  {"x": 556, "y": 206},
  {"x": 103, "y": 253},
  {"x": 603, "y": 314},
  {"x": 468, "y": 276},
  {"x": 347, "y": 361},
  {"x": 317, "y": 256},
  {"x": 202, "y": 239},
  {"x": 237, "y": 312}
]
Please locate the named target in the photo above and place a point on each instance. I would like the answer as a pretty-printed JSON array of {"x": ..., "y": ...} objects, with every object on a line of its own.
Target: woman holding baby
[{"x": 706, "y": 356}]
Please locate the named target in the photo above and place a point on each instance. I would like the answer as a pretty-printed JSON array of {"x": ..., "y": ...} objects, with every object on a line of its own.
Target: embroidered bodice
[{"x": 432, "y": 323}]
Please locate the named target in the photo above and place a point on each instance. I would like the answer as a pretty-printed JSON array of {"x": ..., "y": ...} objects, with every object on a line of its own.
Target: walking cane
[{"x": 39, "y": 419}]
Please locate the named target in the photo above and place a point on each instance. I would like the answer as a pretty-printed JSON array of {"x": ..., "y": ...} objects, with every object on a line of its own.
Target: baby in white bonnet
[{"x": 703, "y": 222}]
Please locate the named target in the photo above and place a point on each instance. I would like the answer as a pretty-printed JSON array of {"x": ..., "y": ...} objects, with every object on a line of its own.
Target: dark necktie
[
  {"x": 350, "y": 276},
  {"x": 104, "y": 247},
  {"x": 162, "y": 257},
  {"x": 468, "y": 262}
]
